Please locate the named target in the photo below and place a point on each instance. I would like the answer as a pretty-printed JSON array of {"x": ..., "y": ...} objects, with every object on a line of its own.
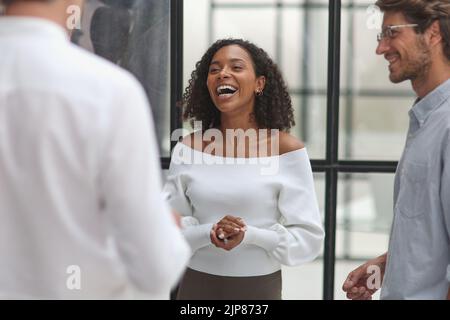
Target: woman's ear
[{"x": 260, "y": 83}]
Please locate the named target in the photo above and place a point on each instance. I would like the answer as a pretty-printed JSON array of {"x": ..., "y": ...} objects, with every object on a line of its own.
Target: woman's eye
[
  {"x": 237, "y": 68},
  {"x": 213, "y": 70}
]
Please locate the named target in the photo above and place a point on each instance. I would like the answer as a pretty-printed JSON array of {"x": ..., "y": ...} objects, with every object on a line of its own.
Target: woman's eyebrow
[
  {"x": 237, "y": 60},
  {"x": 231, "y": 60}
]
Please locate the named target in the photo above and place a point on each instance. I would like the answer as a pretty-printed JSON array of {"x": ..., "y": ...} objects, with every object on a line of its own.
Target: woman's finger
[
  {"x": 213, "y": 236},
  {"x": 232, "y": 224},
  {"x": 236, "y": 220},
  {"x": 220, "y": 233},
  {"x": 229, "y": 230}
]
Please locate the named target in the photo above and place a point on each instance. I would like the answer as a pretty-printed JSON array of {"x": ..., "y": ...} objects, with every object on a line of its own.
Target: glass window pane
[
  {"x": 316, "y": 42},
  {"x": 294, "y": 37},
  {"x": 291, "y": 59},
  {"x": 134, "y": 35},
  {"x": 240, "y": 2},
  {"x": 310, "y": 119},
  {"x": 373, "y": 128},
  {"x": 364, "y": 217},
  {"x": 241, "y": 22},
  {"x": 304, "y": 66}
]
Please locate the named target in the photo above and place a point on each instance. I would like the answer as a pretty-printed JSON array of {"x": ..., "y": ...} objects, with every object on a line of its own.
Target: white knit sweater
[{"x": 274, "y": 195}]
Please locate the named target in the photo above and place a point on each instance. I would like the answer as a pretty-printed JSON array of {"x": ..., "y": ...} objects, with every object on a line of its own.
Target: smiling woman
[
  {"x": 232, "y": 82},
  {"x": 241, "y": 222},
  {"x": 259, "y": 76}
]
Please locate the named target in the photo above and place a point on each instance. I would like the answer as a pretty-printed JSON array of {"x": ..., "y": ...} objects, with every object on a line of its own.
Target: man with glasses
[
  {"x": 81, "y": 210},
  {"x": 415, "y": 40}
]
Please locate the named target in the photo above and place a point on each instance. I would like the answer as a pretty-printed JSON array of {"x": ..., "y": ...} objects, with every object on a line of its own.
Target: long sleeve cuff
[
  {"x": 266, "y": 239},
  {"x": 197, "y": 235}
]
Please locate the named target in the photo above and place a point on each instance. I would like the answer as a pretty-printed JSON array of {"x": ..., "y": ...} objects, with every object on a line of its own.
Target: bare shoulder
[
  {"x": 188, "y": 139},
  {"x": 193, "y": 140},
  {"x": 289, "y": 143}
]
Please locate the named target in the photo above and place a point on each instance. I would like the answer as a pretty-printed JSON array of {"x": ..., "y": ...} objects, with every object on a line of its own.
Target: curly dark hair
[{"x": 273, "y": 109}]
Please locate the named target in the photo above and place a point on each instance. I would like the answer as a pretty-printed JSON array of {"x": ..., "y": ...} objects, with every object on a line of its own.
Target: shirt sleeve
[
  {"x": 299, "y": 235},
  {"x": 448, "y": 273},
  {"x": 196, "y": 234},
  {"x": 444, "y": 192},
  {"x": 150, "y": 245}
]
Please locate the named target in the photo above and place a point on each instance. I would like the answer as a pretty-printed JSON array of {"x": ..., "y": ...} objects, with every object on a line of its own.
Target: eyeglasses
[{"x": 389, "y": 31}]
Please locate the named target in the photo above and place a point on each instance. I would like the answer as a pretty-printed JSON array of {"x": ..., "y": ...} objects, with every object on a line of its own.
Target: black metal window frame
[{"x": 331, "y": 165}]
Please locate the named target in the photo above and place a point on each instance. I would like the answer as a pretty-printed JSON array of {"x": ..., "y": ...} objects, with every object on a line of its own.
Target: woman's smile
[
  {"x": 226, "y": 92},
  {"x": 232, "y": 80}
]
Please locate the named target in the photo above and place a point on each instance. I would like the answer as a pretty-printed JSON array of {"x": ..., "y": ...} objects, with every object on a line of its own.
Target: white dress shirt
[
  {"x": 81, "y": 212},
  {"x": 280, "y": 209}
]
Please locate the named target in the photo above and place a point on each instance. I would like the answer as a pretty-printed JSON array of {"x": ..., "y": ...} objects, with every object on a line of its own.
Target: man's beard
[{"x": 417, "y": 66}]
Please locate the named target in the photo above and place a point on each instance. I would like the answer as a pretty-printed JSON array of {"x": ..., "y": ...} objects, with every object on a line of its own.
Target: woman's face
[{"x": 232, "y": 81}]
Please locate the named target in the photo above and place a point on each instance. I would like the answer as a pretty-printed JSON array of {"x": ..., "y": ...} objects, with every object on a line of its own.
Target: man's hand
[{"x": 356, "y": 285}]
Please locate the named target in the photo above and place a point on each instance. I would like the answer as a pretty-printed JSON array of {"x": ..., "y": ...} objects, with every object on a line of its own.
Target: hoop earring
[{"x": 259, "y": 93}]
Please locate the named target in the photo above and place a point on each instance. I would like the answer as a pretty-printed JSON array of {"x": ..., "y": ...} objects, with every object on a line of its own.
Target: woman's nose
[{"x": 224, "y": 73}]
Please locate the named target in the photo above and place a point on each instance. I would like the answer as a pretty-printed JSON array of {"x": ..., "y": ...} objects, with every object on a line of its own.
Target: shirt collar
[
  {"x": 425, "y": 106},
  {"x": 14, "y": 26}
]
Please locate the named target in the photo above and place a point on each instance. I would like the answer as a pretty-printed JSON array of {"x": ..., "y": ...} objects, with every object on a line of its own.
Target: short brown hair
[{"x": 423, "y": 13}]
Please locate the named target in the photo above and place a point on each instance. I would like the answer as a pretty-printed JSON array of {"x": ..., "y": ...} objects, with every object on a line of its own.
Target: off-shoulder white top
[{"x": 274, "y": 195}]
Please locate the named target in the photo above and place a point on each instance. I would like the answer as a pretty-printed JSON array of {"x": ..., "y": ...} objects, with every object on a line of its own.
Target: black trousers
[{"x": 197, "y": 285}]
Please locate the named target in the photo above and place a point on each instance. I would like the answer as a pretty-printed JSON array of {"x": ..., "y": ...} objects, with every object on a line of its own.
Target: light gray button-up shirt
[{"x": 419, "y": 247}]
